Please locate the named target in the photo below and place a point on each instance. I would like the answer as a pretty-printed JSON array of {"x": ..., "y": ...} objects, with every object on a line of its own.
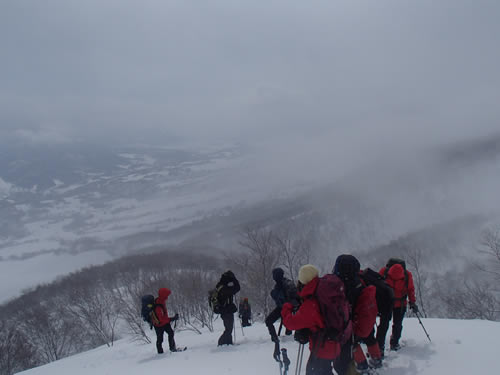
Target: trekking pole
[
  {"x": 286, "y": 361},
  {"x": 300, "y": 354},
  {"x": 418, "y": 317},
  {"x": 277, "y": 358},
  {"x": 281, "y": 326},
  {"x": 234, "y": 332}
]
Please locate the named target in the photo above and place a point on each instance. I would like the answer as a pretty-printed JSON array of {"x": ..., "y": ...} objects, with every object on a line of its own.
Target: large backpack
[
  {"x": 335, "y": 309},
  {"x": 148, "y": 310},
  {"x": 391, "y": 262},
  {"x": 214, "y": 300},
  {"x": 384, "y": 293}
]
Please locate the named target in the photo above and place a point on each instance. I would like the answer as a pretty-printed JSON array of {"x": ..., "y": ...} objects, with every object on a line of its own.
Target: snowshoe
[{"x": 181, "y": 349}]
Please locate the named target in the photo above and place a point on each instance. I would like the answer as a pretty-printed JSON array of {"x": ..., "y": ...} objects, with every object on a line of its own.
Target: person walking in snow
[
  {"x": 362, "y": 299},
  {"x": 308, "y": 317},
  {"x": 161, "y": 322},
  {"x": 401, "y": 281},
  {"x": 228, "y": 286},
  {"x": 283, "y": 291},
  {"x": 245, "y": 312}
]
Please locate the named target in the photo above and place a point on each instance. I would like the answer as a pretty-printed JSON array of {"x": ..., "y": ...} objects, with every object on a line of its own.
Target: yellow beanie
[{"x": 307, "y": 273}]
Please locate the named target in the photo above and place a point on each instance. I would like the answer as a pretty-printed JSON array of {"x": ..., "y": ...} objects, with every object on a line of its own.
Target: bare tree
[
  {"x": 50, "y": 330},
  {"x": 472, "y": 301},
  {"x": 94, "y": 307},
  {"x": 294, "y": 247},
  {"x": 255, "y": 265},
  {"x": 191, "y": 299},
  {"x": 414, "y": 258},
  {"x": 16, "y": 352},
  {"x": 490, "y": 246},
  {"x": 127, "y": 295}
]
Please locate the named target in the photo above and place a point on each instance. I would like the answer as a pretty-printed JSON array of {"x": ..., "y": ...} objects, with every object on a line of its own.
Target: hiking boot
[
  {"x": 395, "y": 347},
  {"x": 362, "y": 366},
  {"x": 375, "y": 362},
  {"x": 363, "y": 369}
]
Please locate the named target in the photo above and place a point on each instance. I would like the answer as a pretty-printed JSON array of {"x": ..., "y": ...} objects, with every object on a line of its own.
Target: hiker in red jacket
[
  {"x": 363, "y": 322},
  {"x": 364, "y": 314},
  {"x": 161, "y": 322},
  {"x": 308, "y": 316},
  {"x": 401, "y": 281}
]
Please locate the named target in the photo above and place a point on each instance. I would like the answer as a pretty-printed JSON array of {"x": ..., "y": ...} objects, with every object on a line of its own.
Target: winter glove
[
  {"x": 277, "y": 353},
  {"x": 414, "y": 307},
  {"x": 301, "y": 336},
  {"x": 175, "y": 317}
]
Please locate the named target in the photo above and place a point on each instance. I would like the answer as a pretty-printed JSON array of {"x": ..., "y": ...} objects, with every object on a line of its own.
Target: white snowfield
[{"x": 458, "y": 347}]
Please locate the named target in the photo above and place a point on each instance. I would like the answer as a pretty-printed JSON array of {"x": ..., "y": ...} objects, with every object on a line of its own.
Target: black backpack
[
  {"x": 148, "y": 310},
  {"x": 384, "y": 293}
]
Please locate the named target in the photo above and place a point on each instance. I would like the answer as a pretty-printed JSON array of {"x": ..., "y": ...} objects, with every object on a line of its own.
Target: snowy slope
[{"x": 458, "y": 347}]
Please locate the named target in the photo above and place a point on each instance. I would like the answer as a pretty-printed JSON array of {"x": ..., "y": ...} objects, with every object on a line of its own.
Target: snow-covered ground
[{"x": 458, "y": 347}]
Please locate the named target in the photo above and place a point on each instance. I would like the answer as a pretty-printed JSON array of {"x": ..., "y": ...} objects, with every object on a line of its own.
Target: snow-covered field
[{"x": 458, "y": 347}]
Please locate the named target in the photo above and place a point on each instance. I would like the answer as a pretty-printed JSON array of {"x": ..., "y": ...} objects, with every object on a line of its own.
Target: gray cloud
[{"x": 368, "y": 72}]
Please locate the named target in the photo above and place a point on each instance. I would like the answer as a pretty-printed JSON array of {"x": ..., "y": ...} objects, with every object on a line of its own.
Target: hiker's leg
[
  {"x": 343, "y": 361},
  {"x": 227, "y": 336},
  {"x": 270, "y": 320},
  {"x": 372, "y": 345},
  {"x": 159, "y": 339},
  {"x": 318, "y": 366},
  {"x": 382, "y": 329},
  {"x": 397, "y": 325},
  {"x": 170, "y": 333},
  {"x": 229, "y": 325}
]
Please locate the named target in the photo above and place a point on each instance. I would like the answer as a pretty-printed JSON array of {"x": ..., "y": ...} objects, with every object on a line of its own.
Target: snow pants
[
  {"x": 227, "y": 336},
  {"x": 398, "y": 315},
  {"x": 342, "y": 363},
  {"x": 159, "y": 337},
  {"x": 270, "y": 320},
  {"x": 318, "y": 366}
]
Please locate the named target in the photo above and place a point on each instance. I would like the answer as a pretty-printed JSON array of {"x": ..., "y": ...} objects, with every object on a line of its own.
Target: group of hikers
[{"x": 334, "y": 314}]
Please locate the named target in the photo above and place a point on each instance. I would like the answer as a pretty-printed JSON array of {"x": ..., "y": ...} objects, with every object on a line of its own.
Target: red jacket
[
  {"x": 365, "y": 312},
  {"x": 396, "y": 280},
  {"x": 161, "y": 311},
  {"x": 309, "y": 316}
]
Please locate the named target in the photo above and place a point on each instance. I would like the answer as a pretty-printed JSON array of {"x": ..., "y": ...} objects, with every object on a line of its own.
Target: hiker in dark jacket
[
  {"x": 308, "y": 317},
  {"x": 229, "y": 286},
  {"x": 162, "y": 321},
  {"x": 283, "y": 291},
  {"x": 401, "y": 281},
  {"x": 245, "y": 313}
]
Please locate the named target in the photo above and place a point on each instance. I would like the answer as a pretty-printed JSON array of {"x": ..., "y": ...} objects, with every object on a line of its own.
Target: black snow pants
[
  {"x": 227, "y": 336},
  {"x": 270, "y": 320},
  {"x": 397, "y": 315},
  {"x": 159, "y": 337},
  {"x": 318, "y": 366}
]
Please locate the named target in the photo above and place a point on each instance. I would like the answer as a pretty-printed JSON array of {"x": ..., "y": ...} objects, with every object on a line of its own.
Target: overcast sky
[{"x": 364, "y": 73}]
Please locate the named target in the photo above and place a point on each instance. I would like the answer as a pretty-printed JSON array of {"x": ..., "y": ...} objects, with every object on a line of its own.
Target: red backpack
[{"x": 335, "y": 309}]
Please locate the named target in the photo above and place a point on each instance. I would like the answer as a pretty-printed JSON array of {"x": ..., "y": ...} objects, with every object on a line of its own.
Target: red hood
[
  {"x": 396, "y": 272},
  {"x": 309, "y": 288},
  {"x": 163, "y": 294}
]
